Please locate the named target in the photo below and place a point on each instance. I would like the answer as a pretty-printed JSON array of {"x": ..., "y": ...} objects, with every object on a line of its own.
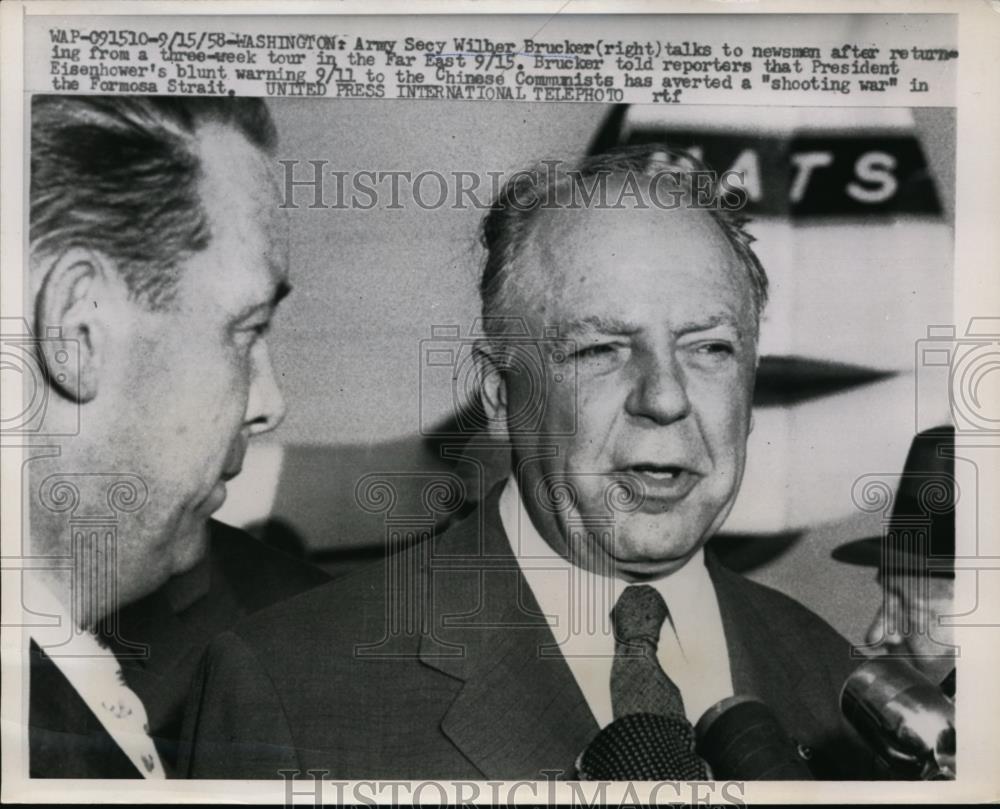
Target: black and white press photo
[{"x": 548, "y": 406}]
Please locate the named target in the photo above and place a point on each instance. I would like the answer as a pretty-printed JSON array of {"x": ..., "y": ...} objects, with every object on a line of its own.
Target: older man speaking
[{"x": 621, "y": 303}]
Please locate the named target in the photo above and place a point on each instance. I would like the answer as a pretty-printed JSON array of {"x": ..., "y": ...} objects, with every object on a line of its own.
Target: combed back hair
[
  {"x": 121, "y": 175},
  {"x": 508, "y": 225}
]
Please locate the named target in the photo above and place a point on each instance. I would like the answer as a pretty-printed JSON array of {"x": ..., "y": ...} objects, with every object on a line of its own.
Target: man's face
[
  {"x": 908, "y": 624},
  {"x": 189, "y": 385},
  {"x": 658, "y": 310}
]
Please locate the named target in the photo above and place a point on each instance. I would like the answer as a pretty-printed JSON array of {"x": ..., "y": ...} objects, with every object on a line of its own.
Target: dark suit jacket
[
  {"x": 159, "y": 641},
  {"x": 65, "y": 738},
  {"x": 438, "y": 664}
]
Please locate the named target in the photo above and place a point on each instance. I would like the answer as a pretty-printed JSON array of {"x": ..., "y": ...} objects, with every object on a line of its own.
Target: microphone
[
  {"x": 903, "y": 716},
  {"x": 741, "y": 739},
  {"x": 947, "y": 685},
  {"x": 643, "y": 747}
]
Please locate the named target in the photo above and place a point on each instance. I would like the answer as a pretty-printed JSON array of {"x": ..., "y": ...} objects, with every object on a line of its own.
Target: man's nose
[
  {"x": 659, "y": 392},
  {"x": 265, "y": 404},
  {"x": 875, "y": 636},
  {"x": 884, "y": 633}
]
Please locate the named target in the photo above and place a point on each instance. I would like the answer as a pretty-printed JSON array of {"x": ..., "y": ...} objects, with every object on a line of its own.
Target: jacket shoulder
[
  {"x": 384, "y": 604},
  {"x": 260, "y": 574},
  {"x": 797, "y": 625},
  {"x": 343, "y": 611}
]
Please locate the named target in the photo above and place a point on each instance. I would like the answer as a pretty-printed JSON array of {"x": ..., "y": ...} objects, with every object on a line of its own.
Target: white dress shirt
[
  {"x": 96, "y": 675},
  {"x": 577, "y": 603}
]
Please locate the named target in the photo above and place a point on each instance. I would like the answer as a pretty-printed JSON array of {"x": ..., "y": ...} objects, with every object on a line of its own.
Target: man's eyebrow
[
  {"x": 604, "y": 325},
  {"x": 611, "y": 325},
  {"x": 709, "y": 322}
]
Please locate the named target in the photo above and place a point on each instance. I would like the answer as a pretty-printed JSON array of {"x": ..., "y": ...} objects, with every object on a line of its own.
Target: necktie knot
[{"x": 639, "y": 615}]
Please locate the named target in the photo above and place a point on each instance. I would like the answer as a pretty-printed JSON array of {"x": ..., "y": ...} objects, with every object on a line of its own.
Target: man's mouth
[
  {"x": 662, "y": 483},
  {"x": 233, "y": 464}
]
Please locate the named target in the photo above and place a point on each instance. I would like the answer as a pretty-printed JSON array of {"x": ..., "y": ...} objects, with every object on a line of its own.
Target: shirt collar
[
  {"x": 683, "y": 590},
  {"x": 578, "y": 603},
  {"x": 95, "y": 674}
]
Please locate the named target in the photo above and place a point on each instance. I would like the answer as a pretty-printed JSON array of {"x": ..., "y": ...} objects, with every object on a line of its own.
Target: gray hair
[{"x": 509, "y": 223}]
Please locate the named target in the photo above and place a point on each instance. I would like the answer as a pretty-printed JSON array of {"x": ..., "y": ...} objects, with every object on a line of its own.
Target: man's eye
[
  {"x": 710, "y": 355},
  {"x": 716, "y": 347},
  {"x": 597, "y": 352},
  {"x": 599, "y": 357}
]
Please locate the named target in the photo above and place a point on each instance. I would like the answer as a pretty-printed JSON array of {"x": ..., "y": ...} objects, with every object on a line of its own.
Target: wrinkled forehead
[
  {"x": 627, "y": 242},
  {"x": 629, "y": 209}
]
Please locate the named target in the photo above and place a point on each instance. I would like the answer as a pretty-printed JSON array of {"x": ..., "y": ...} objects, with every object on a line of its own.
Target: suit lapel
[
  {"x": 763, "y": 665},
  {"x": 520, "y": 711},
  {"x": 172, "y": 624},
  {"x": 154, "y": 623},
  {"x": 66, "y": 739}
]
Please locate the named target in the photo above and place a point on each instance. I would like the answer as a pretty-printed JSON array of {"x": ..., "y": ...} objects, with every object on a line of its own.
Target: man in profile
[
  {"x": 619, "y": 364},
  {"x": 157, "y": 258},
  {"x": 915, "y": 563}
]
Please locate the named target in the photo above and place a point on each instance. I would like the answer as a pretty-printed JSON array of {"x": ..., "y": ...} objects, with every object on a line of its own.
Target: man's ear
[
  {"x": 71, "y": 327},
  {"x": 492, "y": 387}
]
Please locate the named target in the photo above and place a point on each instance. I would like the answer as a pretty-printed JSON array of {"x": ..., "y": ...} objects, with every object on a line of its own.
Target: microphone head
[
  {"x": 643, "y": 747},
  {"x": 741, "y": 739},
  {"x": 903, "y": 716}
]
